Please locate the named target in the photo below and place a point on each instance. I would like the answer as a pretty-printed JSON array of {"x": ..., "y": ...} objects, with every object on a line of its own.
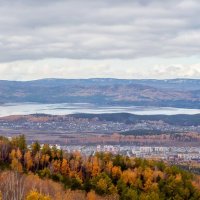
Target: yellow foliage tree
[
  {"x": 178, "y": 178},
  {"x": 56, "y": 166},
  {"x": 129, "y": 176},
  {"x": 65, "y": 167},
  {"x": 95, "y": 167},
  {"x": 109, "y": 167},
  {"x": 28, "y": 160},
  {"x": 116, "y": 172},
  {"x": 148, "y": 173},
  {"x": 147, "y": 184},
  {"x": 91, "y": 195},
  {"x": 19, "y": 154},
  {"x": 13, "y": 154},
  {"x": 102, "y": 185},
  {"x": 16, "y": 165},
  {"x": 34, "y": 195}
]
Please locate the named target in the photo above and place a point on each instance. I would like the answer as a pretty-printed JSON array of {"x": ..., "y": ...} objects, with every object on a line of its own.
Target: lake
[{"x": 70, "y": 108}]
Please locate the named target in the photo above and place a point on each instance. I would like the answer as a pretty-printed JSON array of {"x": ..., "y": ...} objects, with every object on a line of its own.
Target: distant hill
[
  {"x": 174, "y": 93},
  {"x": 127, "y": 118}
]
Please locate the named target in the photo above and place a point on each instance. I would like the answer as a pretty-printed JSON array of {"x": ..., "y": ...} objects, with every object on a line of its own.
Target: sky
[{"x": 99, "y": 38}]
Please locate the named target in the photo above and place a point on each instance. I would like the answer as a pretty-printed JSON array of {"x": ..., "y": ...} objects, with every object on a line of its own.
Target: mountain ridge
[{"x": 105, "y": 91}]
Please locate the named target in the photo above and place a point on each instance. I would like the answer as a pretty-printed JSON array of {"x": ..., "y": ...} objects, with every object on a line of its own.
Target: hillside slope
[{"x": 172, "y": 93}]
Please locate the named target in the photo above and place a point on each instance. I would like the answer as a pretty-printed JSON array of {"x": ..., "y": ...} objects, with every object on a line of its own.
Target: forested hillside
[
  {"x": 179, "y": 120},
  {"x": 170, "y": 93},
  {"x": 32, "y": 173}
]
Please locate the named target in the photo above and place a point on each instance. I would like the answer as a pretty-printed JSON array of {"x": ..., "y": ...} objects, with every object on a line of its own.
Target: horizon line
[{"x": 101, "y": 78}]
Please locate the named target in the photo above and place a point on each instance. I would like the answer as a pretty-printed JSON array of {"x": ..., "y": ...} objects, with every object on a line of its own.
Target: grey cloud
[{"x": 93, "y": 29}]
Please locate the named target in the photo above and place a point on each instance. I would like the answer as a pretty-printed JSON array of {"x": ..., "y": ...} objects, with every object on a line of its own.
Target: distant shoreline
[{"x": 86, "y": 108}]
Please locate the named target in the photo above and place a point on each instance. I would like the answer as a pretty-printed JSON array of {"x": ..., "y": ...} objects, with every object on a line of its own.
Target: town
[
  {"x": 75, "y": 124},
  {"x": 165, "y": 153}
]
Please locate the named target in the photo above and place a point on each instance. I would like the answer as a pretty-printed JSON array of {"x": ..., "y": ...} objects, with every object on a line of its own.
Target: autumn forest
[{"x": 47, "y": 173}]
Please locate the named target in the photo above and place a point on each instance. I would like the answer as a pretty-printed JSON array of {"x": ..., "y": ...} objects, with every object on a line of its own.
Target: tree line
[{"x": 101, "y": 174}]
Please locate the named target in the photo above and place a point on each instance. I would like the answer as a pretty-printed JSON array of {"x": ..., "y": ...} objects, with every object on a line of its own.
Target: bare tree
[{"x": 12, "y": 186}]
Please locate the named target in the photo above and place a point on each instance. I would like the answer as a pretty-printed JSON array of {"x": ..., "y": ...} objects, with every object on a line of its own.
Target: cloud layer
[
  {"x": 96, "y": 31},
  {"x": 69, "y": 68}
]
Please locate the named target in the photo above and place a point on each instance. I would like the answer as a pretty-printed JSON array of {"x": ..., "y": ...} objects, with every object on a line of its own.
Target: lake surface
[{"x": 69, "y": 108}]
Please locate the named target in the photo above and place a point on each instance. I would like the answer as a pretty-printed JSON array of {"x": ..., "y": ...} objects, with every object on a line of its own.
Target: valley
[{"x": 119, "y": 128}]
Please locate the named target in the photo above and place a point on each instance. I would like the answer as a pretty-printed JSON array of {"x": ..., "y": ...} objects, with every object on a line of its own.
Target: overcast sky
[{"x": 99, "y": 38}]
